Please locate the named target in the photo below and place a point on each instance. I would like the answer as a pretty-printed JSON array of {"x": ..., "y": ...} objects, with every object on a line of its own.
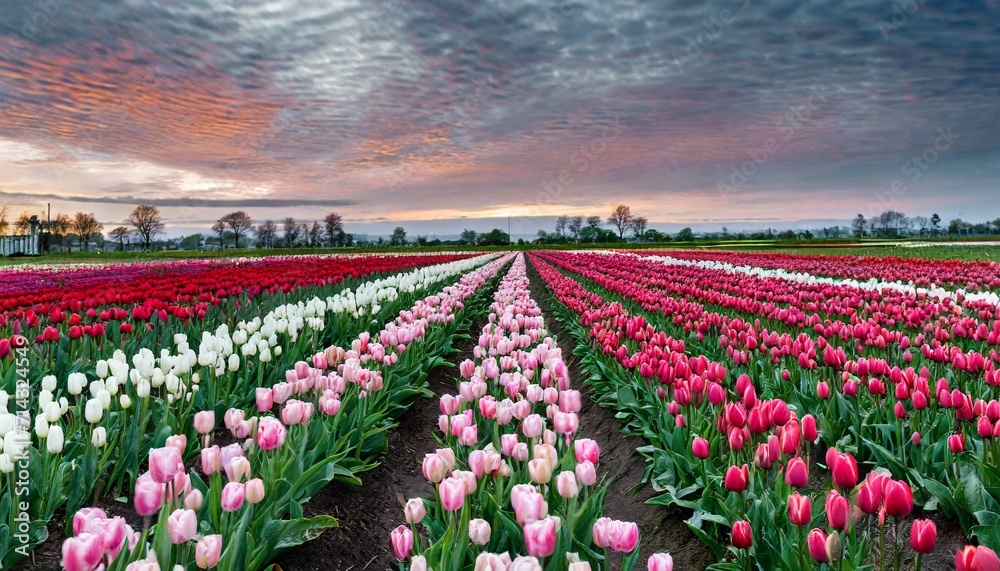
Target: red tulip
[
  {"x": 817, "y": 545},
  {"x": 823, "y": 390},
  {"x": 799, "y": 509},
  {"x": 700, "y": 448},
  {"x": 809, "y": 431},
  {"x": 923, "y": 535},
  {"x": 742, "y": 534},
  {"x": 845, "y": 471},
  {"x": 796, "y": 473},
  {"x": 898, "y": 498},
  {"x": 976, "y": 559},
  {"x": 837, "y": 510},
  {"x": 869, "y": 498},
  {"x": 737, "y": 478},
  {"x": 956, "y": 443}
]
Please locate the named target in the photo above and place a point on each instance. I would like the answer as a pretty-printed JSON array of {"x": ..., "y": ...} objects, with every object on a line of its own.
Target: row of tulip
[
  {"x": 886, "y": 409},
  {"x": 973, "y": 276},
  {"x": 512, "y": 491},
  {"x": 92, "y": 430},
  {"x": 739, "y": 461},
  {"x": 174, "y": 299},
  {"x": 800, "y": 278},
  {"x": 321, "y": 422}
]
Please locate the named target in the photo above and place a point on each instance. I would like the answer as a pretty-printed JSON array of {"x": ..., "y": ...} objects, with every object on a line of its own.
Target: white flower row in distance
[
  {"x": 176, "y": 372},
  {"x": 873, "y": 284}
]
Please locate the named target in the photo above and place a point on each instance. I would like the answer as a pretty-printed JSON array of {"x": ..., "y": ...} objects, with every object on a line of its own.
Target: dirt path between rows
[{"x": 660, "y": 528}]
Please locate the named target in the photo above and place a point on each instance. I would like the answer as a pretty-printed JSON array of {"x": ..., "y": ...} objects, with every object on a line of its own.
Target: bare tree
[
  {"x": 85, "y": 225},
  {"x": 239, "y": 223},
  {"x": 561, "y": 223},
  {"x": 638, "y": 226},
  {"x": 334, "y": 226},
  {"x": 291, "y": 229},
  {"x": 147, "y": 223},
  {"x": 267, "y": 231},
  {"x": 220, "y": 228},
  {"x": 119, "y": 234},
  {"x": 620, "y": 218},
  {"x": 315, "y": 234},
  {"x": 594, "y": 222},
  {"x": 575, "y": 225},
  {"x": 4, "y": 224}
]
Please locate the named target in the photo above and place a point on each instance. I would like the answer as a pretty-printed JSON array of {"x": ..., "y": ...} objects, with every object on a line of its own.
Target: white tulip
[
  {"x": 102, "y": 369},
  {"x": 4, "y": 399},
  {"x": 44, "y": 398},
  {"x": 75, "y": 383},
  {"x": 53, "y": 411},
  {"x": 157, "y": 378},
  {"x": 49, "y": 383},
  {"x": 7, "y": 423},
  {"x": 14, "y": 443},
  {"x": 111, "y": 385},
  {"x": 105, "y": 397},
  {"x": 6, "y": 466},
  {"x": 63, "y": 405},
  {"x": 54, "y": 443},
  {"x": 94, "y": 411},
  {"x": 265, "y": 355},
  {"x": 180, "y": 338},
  {"x": 41, "y": 427},
  {"x": 100, "y": 437},
  {"x": 125, "y": 401},
  {"x": 277, "y": 350}
]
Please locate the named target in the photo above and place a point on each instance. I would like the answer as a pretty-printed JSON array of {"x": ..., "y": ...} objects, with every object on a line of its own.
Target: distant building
[{"x": 24, "y": 245}]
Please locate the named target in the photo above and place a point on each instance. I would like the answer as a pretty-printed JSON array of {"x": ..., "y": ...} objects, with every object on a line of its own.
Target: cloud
[
  {"x": 180, "y": 202},
  {"x": 454, "y": 108}
]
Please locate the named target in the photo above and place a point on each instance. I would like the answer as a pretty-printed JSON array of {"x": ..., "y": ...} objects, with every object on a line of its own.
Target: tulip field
[{"x": 794, "y": 412}]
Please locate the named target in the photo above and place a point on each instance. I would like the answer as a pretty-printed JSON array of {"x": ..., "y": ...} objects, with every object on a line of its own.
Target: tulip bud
[
  {"x": 566, "y": 485},
  {"x": 479, "y": 531},
  {"x": 208, "y": 551},
  {"x": 923, "y": 535},
  {"x": 414, "y": 511},
  {"x": 742, "y": 534},
  {"x": 254, "y": 491}
]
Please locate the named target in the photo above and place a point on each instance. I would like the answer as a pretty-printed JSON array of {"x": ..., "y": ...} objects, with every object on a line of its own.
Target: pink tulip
[
  {"x": 232, "y": 496},
  {"x": 586, "y": 450},
  {"x": 264, "y": 398},
  {"x": 270, "y": 433},
  {"x": 164, "y": 464},
  {"x": 566, "y": 423},
  {"x": 660, "y": 562},
  {"x": 254, "y": 491},
  {"x": 211, "y": 460},
  {"x": 434, "y": 467},
  {"x": 540, "y": 537},
  {"x": 566, "y": 485},
  {"x": 85, "y": 515},
  {"x": 586, "y": 473},
  {"x": 194, "y": 499},
  {"x": 624, "y": 537},
  {"x": 82, "y": 553},
  {"x": 414, "y": 511},
  {"x": 402, "y": 542},
  {"x": 603, "y": 528},
  {"x": 237, "y": 468},
  {"x": 208, "y": 551},
  {"x": 452, "y": 491},
  {"x": 479, "y": 531},
  {"x": 532, "y": 426},
  {"x": 530, "y": 507},
  {"x": 448, "y": 455},
  {"x": 182, "y": 526},
  {"x": 570, "y": 401},
  {"x": 148, "y": 495},
  {"x": 204, "y": 422}
]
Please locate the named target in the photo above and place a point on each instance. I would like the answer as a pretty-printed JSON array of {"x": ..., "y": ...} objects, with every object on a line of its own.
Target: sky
[{"x": 450, "y": 114}]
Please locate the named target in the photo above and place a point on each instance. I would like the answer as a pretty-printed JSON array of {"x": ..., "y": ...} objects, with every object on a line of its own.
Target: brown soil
[{"x": 368, "y": 513}]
